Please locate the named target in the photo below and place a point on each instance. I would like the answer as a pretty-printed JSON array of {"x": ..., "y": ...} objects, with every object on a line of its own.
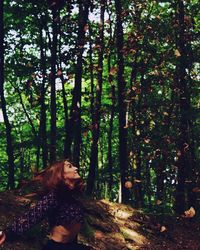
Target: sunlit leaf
[
  {"x": 99, "y": 69},
  {"x": 113, "y": 71},
  {"x": 128, "y": 184},
  {"x": 186, "y": 146},
  {"x": 108, "y": 21},
  {"x": 190, "y": 213},
  {"x": 163, "y": 229},
  {"x": 98, "y": 235},
  {"x": 137, "y": 181},
  {"x": 196, "y": 190},
  {"x": 131, "y": 153},
  {"x": 138, "y": 132},
  {"x": 85, "y": 133},
  {"x": 59, "y": 72},
  {"x": 165, "y": 113},
  {"x": 146, "y": 140},
  {"x": 177, "y": 53},
  {"x": 158, "y": 202},
  {"x": 97, "y": 46},
  {"x": 86, "y": 27}
]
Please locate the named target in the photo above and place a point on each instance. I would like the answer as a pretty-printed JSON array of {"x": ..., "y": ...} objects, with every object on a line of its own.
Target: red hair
[{"x": 51, "y": 178}]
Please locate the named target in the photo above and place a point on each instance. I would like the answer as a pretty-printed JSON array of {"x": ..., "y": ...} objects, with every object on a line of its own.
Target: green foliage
[{"x": 151, "y": 58}]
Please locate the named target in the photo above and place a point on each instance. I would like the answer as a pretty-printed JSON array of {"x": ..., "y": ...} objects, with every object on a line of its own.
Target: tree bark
[
  {"x": 74, "y": 132},
  {"x": 183, "y": 142},
  {"x": 110, "y": 158},
  {"x": 123, "y": 160},
  {"x": 9, "y": 146},
  {"x": 63, "y": 81},
  {"x": 42, "y": 129},
  {"x": 24, "y": 109},
  {"x": 97, "y": 107},
  {"x": 53, "y": 85},
  {"x": 113, "y": 107}
]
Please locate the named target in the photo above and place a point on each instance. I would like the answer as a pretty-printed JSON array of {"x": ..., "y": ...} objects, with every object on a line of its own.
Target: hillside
[{"x": 109, "y": 226}]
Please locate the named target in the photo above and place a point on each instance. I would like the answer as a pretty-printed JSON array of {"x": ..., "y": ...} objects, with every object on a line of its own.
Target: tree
[
  {"x": 42, "y": 129},
  {"x": 123, "y": 160},
  {"x": 9, "y": 148},
  {"x": 97, "y": 106},
  {"x": 74, "y": 133},
  {"x": 55, "y": 20},
  {"x": 183, "y": 151}
]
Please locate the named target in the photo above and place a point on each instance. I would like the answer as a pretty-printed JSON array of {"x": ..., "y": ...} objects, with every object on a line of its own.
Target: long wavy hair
[{"x": 52, "y": 178}]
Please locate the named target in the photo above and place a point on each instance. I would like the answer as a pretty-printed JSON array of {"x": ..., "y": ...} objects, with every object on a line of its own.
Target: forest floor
[{"x": 109, "y": 226}]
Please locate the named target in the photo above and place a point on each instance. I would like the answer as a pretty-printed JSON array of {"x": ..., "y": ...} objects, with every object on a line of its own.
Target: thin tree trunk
[
  {"x": 66, "y": 121},
  {"x": 91, "y": 74},
  {"x": 148, "y": 182},
  {"x": 136, "y": 115},
  {"x": 183, "y": 153},
  {"x": 96, "y": 116},
  {"x": 113, "y": 97},
  {"x": 142, "y": 102},
  {"x": 123, "y": 160},
  {"x": 75, "y": 112},
  {"x": 42, "y": 130},
  {"x": 53, "y": 85},
  {"x": 160, "y": 176},
  {"x": 110, "y": 159},
  {"x": 192, "y": 175},
  {"x": 138, "y": 188},
  {"x": 65, "y": 104},
  {"x": 24, "y": 109},
  {"x": 9, "y": 146},
  {"x": 84, "y": 10}
]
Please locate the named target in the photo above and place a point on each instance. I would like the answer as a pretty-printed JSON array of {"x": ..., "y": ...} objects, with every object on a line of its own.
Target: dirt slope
[{"x": 108, "y": 226}]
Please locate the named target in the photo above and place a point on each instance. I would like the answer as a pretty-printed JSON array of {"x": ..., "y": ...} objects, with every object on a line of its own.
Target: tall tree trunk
[
  {"x": 183, "y": 163},
  {"x": 66, "y": 121},
  {"x": 91, "y": 73},
  {"x": 110, "y": 158},
  {"x": 113, "y": 97},
  {"x": 53, "y": 85},
  {"x": 65, "y": 104},
  {"x": 123, "y": 160},
  {"x": 138, "y": 189},
  {"x": 96, "y": 115},
  {"x": 42, "y": 130},
  {"x": 148, "y": 182},
  {"x": 34, "y": 132},
  {"x": 75, "y": 112},
  {"x": 160, "y": 176},
  {"x": 9, "y": 146},
  {"x": 193, "y": 173}
]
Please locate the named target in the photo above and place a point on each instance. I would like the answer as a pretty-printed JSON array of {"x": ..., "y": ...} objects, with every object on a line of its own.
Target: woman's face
[{"x": 70, "y": 172}]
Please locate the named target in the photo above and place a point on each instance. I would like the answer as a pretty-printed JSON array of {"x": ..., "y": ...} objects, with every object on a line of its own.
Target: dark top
[{"x": 60, "y": 210}]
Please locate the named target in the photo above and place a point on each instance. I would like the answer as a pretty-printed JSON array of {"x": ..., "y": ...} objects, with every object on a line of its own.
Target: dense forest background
[{"x": 113, "y": 85}]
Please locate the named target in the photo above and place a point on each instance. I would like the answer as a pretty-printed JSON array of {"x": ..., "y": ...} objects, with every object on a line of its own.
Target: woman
[{"x": 62, "y": 185}]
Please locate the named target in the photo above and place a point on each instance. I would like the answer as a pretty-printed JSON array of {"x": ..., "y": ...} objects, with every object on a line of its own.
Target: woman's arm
[{"x": 32, "y": 216}]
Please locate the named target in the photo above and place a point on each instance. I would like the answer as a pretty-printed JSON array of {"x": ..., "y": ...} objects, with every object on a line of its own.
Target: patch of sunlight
[
  {"x": 120, "y": 211},
  {"x": 133, "y": 235},
  {"x": 122, "y": 214},
  {"x": 117, "y": 236},
  {"x": 106, "y": 201},
  {"x": 130, "y": 247}
]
